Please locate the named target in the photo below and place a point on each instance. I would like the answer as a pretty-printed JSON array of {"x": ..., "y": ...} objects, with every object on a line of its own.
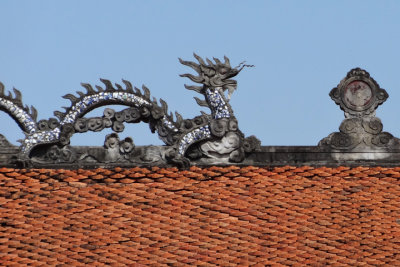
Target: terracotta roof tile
[{"x": 224, "y": 216}]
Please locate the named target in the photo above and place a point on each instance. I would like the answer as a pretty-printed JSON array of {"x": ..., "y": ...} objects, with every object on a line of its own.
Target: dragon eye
[
  {"x": 223, "y": 70},
  {"x": 209, "y": 72}
]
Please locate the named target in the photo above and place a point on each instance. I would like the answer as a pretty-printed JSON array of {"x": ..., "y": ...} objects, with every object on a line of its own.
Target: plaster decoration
[
  {"x": 359, "y": 95},
  {"x": 47, "y": 140},
  {"x": 212, "y": 138},
  {"x": 220, "y": 148}
]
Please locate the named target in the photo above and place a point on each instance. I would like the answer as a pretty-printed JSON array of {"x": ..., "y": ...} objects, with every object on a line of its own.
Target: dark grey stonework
[
  {"x": 215, "y": 135},
  {"x": 361, "y": 135},
  {"x": 207, "y": 139},
  {"x": 148, "y": 156}
]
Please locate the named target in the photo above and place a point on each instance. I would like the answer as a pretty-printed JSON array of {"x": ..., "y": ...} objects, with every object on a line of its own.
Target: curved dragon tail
[{"x": 24, "y": 116}]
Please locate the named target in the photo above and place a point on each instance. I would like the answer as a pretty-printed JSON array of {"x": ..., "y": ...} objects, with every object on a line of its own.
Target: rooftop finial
[{"x": 359, "y": 95}]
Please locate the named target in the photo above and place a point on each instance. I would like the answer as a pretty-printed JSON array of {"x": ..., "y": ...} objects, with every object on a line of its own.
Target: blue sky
[{"x": 300, "y": 49}]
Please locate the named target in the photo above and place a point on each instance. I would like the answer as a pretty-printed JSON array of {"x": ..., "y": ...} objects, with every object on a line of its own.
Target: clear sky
[{"x": 300, "y": 49}]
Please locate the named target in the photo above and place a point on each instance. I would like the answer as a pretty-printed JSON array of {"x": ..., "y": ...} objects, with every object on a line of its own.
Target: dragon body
[
  {"x": 213, "y": 135},
  {"x": 24, "y": 116}
]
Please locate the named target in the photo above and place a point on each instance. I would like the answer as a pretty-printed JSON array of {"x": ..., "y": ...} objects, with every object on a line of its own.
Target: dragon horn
[
  {"x": 217, "y": 61},
  {"x": 210, "y": 63},
  {"x": 227, "y": 62},
  {"x": 199, "y": 59},
  {"x": 191, "y": 64}
]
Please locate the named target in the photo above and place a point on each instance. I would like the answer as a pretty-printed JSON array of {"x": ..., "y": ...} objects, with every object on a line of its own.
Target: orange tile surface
[{"x": 217, "y": 216}]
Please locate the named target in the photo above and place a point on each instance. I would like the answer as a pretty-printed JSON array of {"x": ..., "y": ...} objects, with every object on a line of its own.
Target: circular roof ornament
[{"x": 358, "y": 94}]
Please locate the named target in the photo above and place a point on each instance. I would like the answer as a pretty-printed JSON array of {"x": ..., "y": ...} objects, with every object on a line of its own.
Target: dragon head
[{"x": 213, "y": 75}]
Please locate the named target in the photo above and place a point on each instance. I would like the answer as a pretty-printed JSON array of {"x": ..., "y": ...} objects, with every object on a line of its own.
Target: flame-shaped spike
[
  {"x": 80, "y": 94},
  {"x": 179, "y": 118},
  {"x": 137, "y": 91},
  {"x": 108, "y": 85},
  {"x": 199, "y": 59},
  {"x": 191, "y": 64},
  {"x": 196, "y": 79},
  {"x": 71, "y": 97},
  {"x": 1, "y": 88},
  {"x": 9, "y": 95},
  {"x": 227, "y": 62},
  {"x": 146, "y": 91},
  {"x": 164, "y": 105},
  {"x": 89, "y": 88},
  {"x": 201, "y": 102},
  {"x": 34, "y": 113},
  {"x": 119, "y": 87},
  {"x": 128, "y": 85},
  {"x": 18, "y": 95},
  {"x": 155, "y": 101},
  {"x": 129, "y": 90},
  {"x": 58, "y": 114},
  {"x": 99, "y": 88},
  {"x": 198, "y": 89}
]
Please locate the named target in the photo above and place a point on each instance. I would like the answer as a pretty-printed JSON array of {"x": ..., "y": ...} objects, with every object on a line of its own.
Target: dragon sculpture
[{"x": 214, "y": 135}]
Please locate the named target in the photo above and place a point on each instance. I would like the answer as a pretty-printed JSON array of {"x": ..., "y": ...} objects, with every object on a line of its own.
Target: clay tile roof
[{"x": 216, "y": 216}]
